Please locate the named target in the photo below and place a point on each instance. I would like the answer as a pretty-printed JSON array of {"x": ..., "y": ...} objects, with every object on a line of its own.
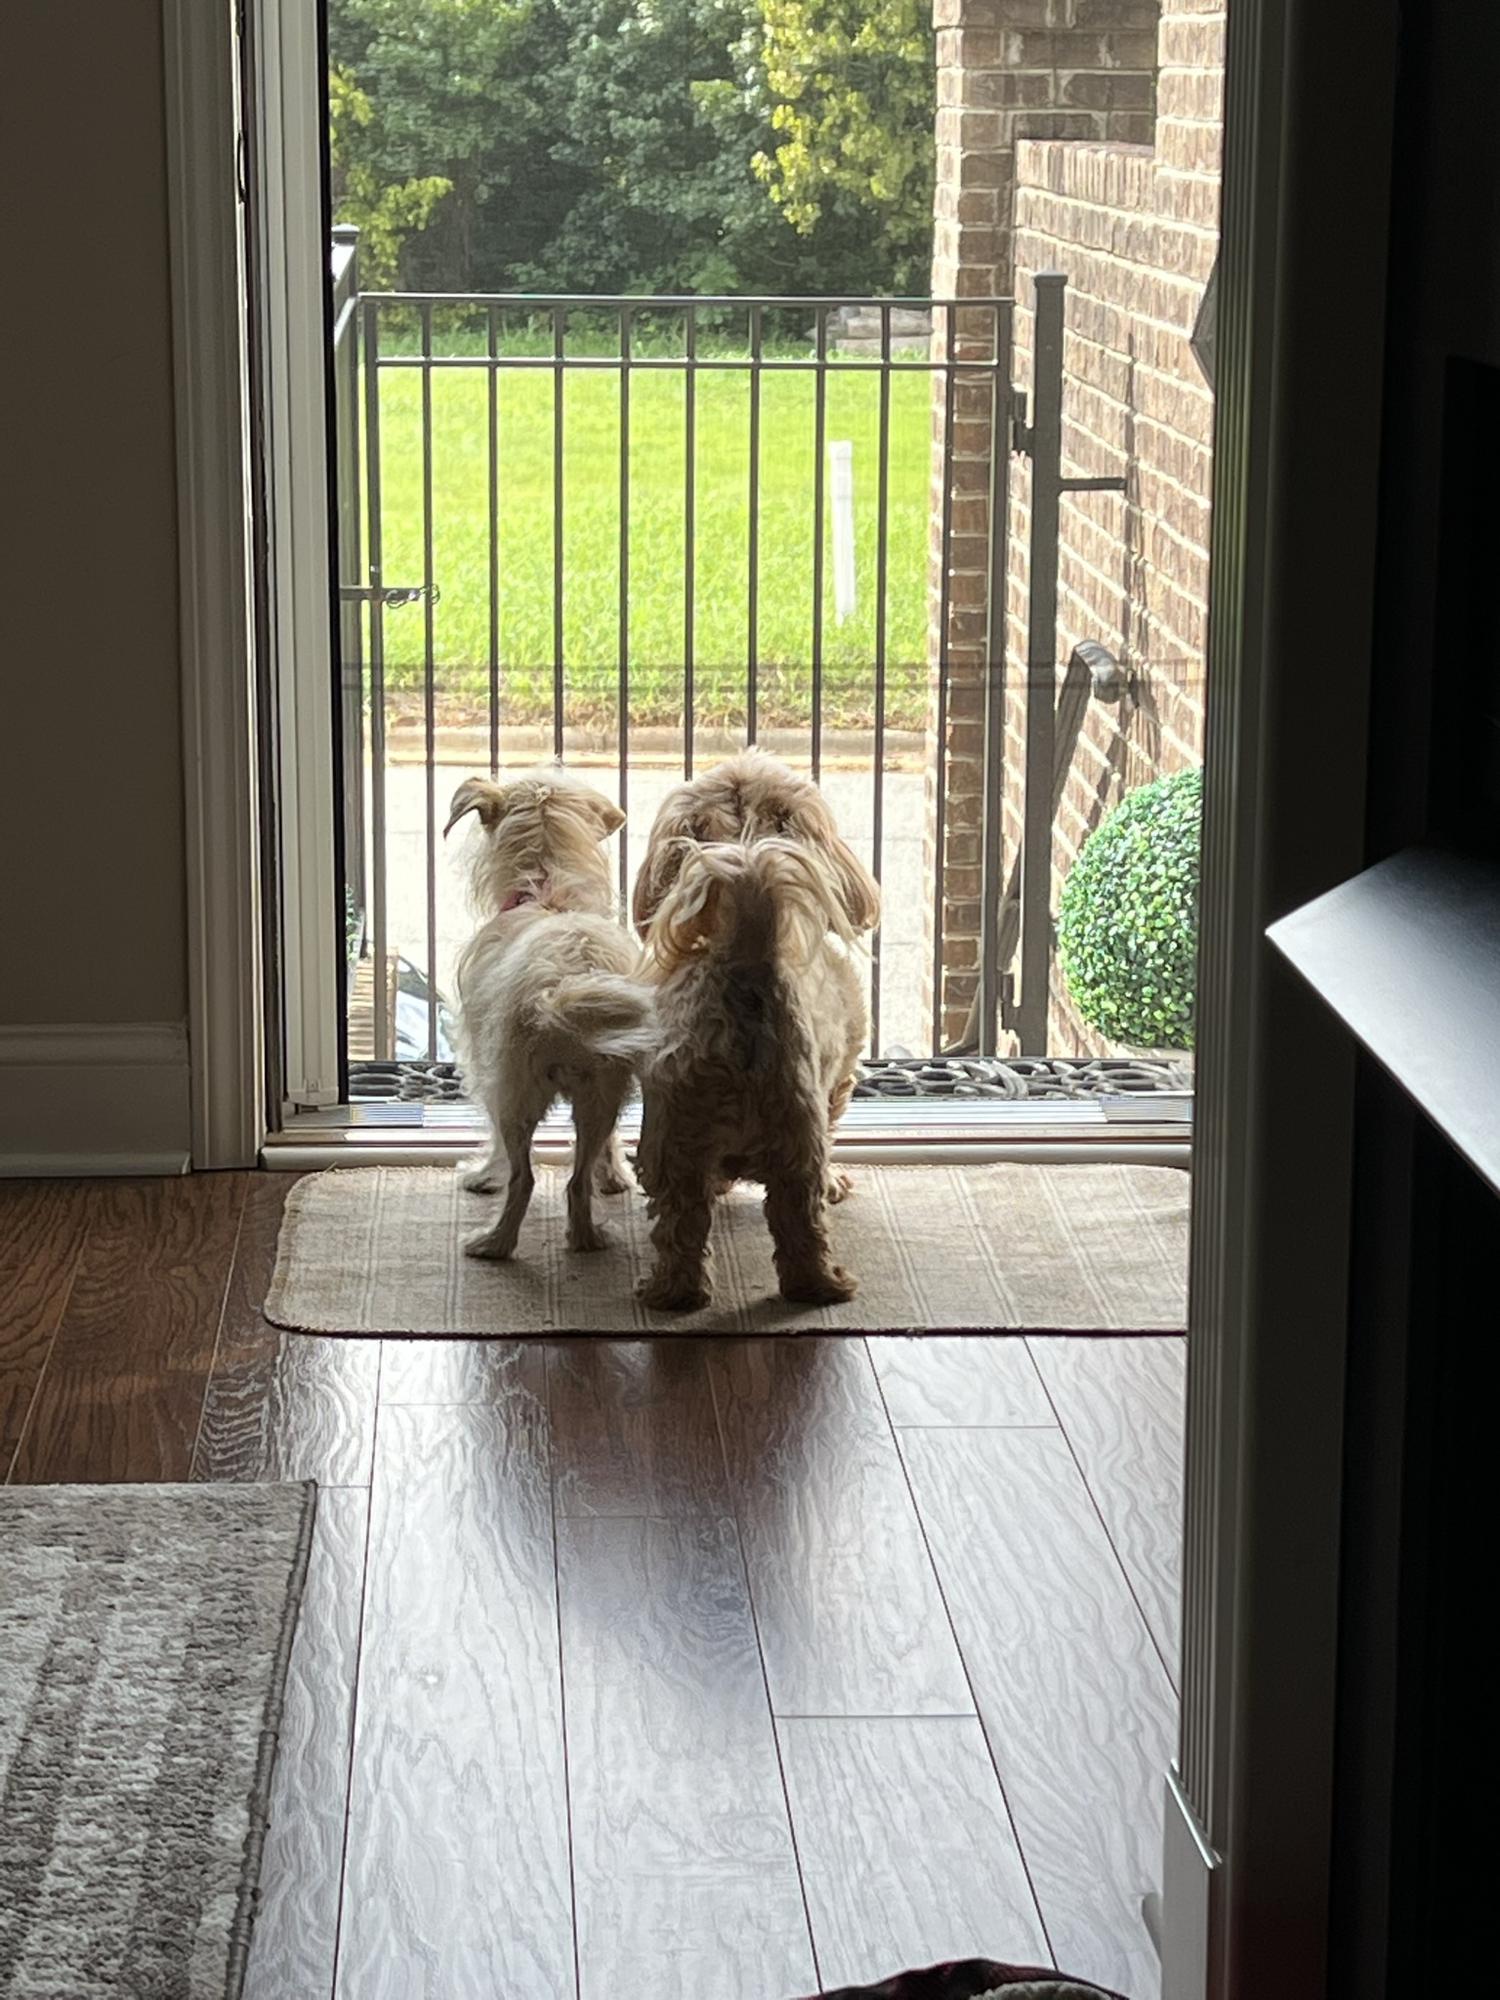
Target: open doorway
[
  {"x": 613, "y": 485},
  {"x": 932, "y": 524}
]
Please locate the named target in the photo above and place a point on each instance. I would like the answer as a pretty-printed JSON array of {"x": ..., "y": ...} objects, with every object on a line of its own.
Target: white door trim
[
  {"x": 1250, "y": 1830},
  {"x": 226, "y": 1026},
  {"x": 293, "y": 249}
]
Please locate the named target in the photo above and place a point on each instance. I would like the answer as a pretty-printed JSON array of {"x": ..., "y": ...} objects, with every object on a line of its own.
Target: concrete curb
[{"x": 468, "y": 744}]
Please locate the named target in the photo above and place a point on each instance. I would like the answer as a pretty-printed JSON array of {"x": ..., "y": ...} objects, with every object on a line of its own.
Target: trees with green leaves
[
  {"x": 850, "y": 89},
  {"x": 452, "y": 92},
  {"x": 633, "y": 145},
  {"x": 645, "y": 124},
  {"x": 386, "y": 213}
]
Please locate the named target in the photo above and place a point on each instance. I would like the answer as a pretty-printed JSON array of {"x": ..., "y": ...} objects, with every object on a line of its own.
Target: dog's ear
[
  {"x": 688, "y": 910},
  {"x": 604, "y": 812},
  {"x": 659, "y": 870},
  {"x": 859, "y": 892},
  {"x": 476, "y": 795}
]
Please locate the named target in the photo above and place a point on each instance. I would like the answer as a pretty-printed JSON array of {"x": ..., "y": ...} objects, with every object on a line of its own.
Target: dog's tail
[
  {"x": 597, "y": 1014},
  {"x": 756, "y": 902}
]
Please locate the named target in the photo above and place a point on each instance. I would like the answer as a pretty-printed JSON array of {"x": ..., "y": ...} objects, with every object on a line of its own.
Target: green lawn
[{"x": 591, "y": 544}]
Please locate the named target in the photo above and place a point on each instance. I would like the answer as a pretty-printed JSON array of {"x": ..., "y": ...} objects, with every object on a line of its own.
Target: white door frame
[
  {"x": 225, "y": 738},
  {"x": 220, "y": 739},
  {"x": 292, "y": 249}
]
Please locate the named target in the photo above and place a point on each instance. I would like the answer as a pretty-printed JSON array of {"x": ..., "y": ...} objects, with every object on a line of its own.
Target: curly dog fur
[
  {"x": 750, "y": 797},
  {"x": 760, "y": 1017}
]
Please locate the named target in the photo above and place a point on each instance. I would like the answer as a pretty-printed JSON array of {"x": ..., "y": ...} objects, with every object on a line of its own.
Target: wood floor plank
[
  {"x": 907, "y": 1851},
  {"x": 296, "y": 1926},
  {"x": 461, "y": 1371},
  {"x": 124, "y": 1384},
  {"x": 282, "y": 1405},
  {"x": 959, "y": 1379},
  {"x": 685, "y": 1877},
  {"x": 1122, "y": 1404},
  {"x": 457, "y": 1881},
  {"x": 1078, "y": 1710},
  {"x": 634, "y": 1429},
  {"x": 850, "y": 1617},
  {"x": 42, "y": 1230}
]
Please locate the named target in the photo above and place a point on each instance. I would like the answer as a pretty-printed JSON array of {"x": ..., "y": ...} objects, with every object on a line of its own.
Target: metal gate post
[
  {"x": 385, "y": 1043},
  {"x": 1044, "y": 445},
  {"x": 991, "y": 858},
  {"x": 347, "y": 556}
]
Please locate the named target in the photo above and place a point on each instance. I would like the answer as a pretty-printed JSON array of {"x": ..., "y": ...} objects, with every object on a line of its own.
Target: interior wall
[{"x": 92, "y": 918}]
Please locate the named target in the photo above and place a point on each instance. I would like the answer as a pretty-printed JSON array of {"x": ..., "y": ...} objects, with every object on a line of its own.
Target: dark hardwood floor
[{"x": 665, "y": 1669}]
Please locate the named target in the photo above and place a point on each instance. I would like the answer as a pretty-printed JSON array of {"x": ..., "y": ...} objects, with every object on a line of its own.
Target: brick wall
[
  {"x": 1007, "y": 71},
  {"x": 1133, "y": 227}
]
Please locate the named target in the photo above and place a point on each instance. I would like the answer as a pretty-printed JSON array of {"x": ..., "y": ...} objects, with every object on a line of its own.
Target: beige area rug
[{"x": 1077, "y": 1249}]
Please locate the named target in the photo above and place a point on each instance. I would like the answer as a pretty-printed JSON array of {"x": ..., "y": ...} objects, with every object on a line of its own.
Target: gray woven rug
[
  {"x": 144, "y": 1635},
  {"x": 1074, "y": 1249}
]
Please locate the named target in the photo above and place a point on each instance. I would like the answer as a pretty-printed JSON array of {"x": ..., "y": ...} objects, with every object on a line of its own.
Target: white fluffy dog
[{"x": 547, "y": 1004}]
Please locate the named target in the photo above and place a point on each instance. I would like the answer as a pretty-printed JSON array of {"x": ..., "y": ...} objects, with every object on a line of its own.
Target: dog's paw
[
  {"x": 588, "y": 1236},
  {"x": 664, "y": 1296},
  {"x": 840, "y": 1187},
  {"x": 477, "y": 1176},
  {"x": 489, "y": 1245},
  {"x": 819, "y": 1288},
  {"x": 610, "y": 1180}
]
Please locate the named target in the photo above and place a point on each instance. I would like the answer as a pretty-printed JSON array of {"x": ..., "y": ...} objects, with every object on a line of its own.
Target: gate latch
[
  {"x": 388, "y": 594},
  {"x": 1008, "y": 1000}
]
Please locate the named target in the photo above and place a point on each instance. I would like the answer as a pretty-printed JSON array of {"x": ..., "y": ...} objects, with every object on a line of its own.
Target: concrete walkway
[{"x": 849, "y": 792}]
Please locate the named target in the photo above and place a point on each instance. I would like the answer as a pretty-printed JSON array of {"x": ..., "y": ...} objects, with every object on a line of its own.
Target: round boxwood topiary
[{"x": 1127, "y": 929}]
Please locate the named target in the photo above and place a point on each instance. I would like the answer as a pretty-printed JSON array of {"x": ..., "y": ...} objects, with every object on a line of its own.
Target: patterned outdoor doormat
[
  {"x": 950, "y": 1249},
  {"x": 146, "y": 1634}
]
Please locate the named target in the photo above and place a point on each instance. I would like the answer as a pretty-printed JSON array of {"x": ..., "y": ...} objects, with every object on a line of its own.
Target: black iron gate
[{"x": 756, "y": 344}]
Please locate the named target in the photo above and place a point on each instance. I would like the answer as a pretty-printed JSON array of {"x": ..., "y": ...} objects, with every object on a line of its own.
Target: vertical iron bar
[
  {"x": 820, "y": 447},
  {"x": 995, "y": 662},
  {"x": 559, "y": 336},
  {"x": 494, "y": 499},
  {"x": 384, "y": 1045},
  {"x": 347, "y": 569},
  {"x": 624, "y": 660},
  {"x": 429, "y": 715},
  {"x": 1045, "y": 444},
  {"x": 752, "y": 682},
  {"x": 940, "y": 808},
  {"x": 1072, "y": 705},
  {"x": 882, "y": 565},
  {"x": 689, "y": 530}
]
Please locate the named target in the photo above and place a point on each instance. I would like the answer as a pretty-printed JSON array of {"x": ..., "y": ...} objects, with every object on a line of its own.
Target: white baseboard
[
  {"x": 92, "y": 1166},
  {"x": 108, "y": 1097},
  {"x": 1189, "y": 1871}
]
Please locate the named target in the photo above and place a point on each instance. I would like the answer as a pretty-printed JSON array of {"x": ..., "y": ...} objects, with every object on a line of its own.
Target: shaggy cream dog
[
  {"x": 547, "y": 1004},
  {"x": 760, "y": 1017},
  {"x": 749, "y": 797}
]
